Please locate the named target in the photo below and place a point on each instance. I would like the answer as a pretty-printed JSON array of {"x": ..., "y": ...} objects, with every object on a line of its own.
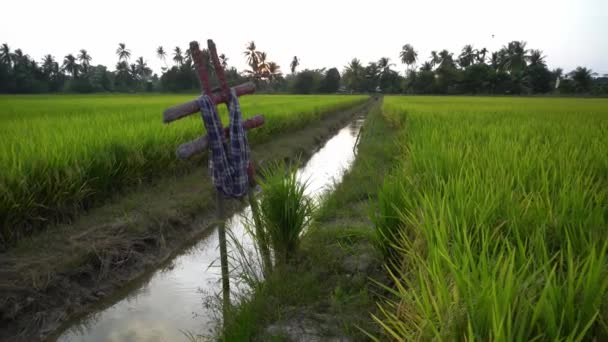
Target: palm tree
[
  {"x": 123, "y": 52},
  {"x": 122, "y": 70},
  {"x": 177, "y": 56},
  {"x": 426, "y": 66},
  {"x": 294, "y": 64},
  {"x": 188, "y": 56},
  {"x": 467, "y": 56},
  {"x": 133, "y": 71},
  {"x": 223, "y": 61},
  {"x": 262, "y": 64},
  {"x": 408, "y": 55},
  {"x": 513, "y": 57},
  {"x": 481, "y": 55},
  {"x": 536, "y": 58},
  {"x": 71, "y": 65},
  {"x": 435, "y": 59},
  {"x": 583, "y": 78},
  {"x": 18, "y": 57},
  {"x": 49, "y": 66},
  {"x": 162, "y": 55},
  {"x": 252, "y": 56},
  {"x": 353, "y": 75},
  {"x": 384, "y": 63},
  {"x": 446, "y": 60},
  {"x": 85, "y": 60},
  {"x": 274, "y": 71},
  {"x": 495, "y": 61},
  {"x": 142, "y": 68},
  {"x": 5, "y": 54}
]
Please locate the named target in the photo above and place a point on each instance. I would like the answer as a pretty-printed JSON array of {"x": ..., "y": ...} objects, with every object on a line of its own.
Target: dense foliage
[{"x": 514, "y": 69}]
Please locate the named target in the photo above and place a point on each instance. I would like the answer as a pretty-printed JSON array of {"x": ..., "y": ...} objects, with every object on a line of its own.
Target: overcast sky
[{"x": 321, "y": 33}]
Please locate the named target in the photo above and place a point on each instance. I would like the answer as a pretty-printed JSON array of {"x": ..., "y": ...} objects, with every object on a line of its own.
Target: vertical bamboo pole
[{"x": 221, "y": 231}]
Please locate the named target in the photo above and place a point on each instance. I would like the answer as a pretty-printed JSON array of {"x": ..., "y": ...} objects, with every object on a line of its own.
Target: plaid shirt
[{"x": 228, "y": 166}]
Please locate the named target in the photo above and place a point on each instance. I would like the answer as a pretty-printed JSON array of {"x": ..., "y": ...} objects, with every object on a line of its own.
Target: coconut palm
[
  {"x": 5, "y": 54},
  {"x": 70, "y": 65},
  {"x": 122, "y": 69},
  {"x": 583, "y": 78},
  {"x": 18, "y": 57},
  {"x": 467, "y": 56},
  {"x": 435, "y": 59},
  {"x": 133, "y": 71},
  {"x": 372, "y": 74},
  {"x": 177, "y": 56},
  {"x": 446, "y": 59},
  {"x": 223, "y": 60},
  {"x": 354, "y": 74},
  {"x": 252, "y": 56},
  {"x": 49, "y": 66},
  {"x": 274, "y": 71},
  {"x": 188, "y": 56},
  {"x": 426, "y": 66},
  {"x": 143, "y": 71},
  {"x": 408, "y": 55},
  {"x": 85, "y": 60},
  {"x": 122, "y": 52},
  {"x": 294, "y": 64},
  {"x": 384, "y": 63},
  {"x": 481, "y": 55},
  {"x": 536, "y": 58},
  {"x": 162, "y": 55},
  {"x": 495, "y": 61},
  {"x": 513, "y": 57},
  {"x": 262, "y": 64}
]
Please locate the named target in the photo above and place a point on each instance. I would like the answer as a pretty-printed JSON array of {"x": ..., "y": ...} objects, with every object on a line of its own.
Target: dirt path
[{"x": 60, "y": 273}]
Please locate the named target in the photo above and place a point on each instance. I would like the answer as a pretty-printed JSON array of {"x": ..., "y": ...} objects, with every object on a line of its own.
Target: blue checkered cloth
[{"x": 227, "y": 164}]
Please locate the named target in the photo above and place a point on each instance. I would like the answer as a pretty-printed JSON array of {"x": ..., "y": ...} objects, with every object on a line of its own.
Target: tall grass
[
  {"x": 62, "y": 153},
  {"x": 283, "y": 213},
  {"x": 500, "y": 221}
]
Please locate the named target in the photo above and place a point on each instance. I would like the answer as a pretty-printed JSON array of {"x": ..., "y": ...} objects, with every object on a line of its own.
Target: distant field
[
  {"x": 497, "y": 219},
  {"x": 60, "y": 153}
]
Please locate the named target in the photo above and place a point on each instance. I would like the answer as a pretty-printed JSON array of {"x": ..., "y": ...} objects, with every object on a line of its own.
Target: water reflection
[{"x": 169, "y": 301}]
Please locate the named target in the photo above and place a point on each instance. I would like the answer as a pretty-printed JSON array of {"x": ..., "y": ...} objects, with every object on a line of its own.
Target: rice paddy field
[
  {"x": 62, "y": 153},
  {"x": 494, "y": 224}
]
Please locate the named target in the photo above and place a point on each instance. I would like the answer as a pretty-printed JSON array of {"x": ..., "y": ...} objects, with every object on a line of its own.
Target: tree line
[{"x": 514, "y": 69}]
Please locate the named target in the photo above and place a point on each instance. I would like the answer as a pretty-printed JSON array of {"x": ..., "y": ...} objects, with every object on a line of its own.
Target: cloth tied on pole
[{"x": 229, "y": 159}]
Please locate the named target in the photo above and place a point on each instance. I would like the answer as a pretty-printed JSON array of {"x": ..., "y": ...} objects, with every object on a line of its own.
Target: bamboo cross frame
[{"x": 218, "y": 96}]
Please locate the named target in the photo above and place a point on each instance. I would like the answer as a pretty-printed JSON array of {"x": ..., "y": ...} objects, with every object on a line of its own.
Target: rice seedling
[
  {"x": 60, "y": 154},
  {"x": 498, "y": 214}
]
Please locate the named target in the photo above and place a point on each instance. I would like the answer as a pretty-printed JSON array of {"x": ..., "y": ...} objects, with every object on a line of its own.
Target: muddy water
[{"x": 175, "y": 298}]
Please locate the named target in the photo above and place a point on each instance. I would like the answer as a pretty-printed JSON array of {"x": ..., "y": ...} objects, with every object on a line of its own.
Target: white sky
[{"x": 321, "y": 33}]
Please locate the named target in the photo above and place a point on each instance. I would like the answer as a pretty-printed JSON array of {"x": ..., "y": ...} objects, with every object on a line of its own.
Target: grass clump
[
  {"x": 284, "y": 211},
  {"x": 498, "y": 218}
]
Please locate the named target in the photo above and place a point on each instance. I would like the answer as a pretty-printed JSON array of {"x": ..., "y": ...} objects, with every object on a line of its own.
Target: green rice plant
[
  {"x": 62, "y": 154},
  {"x": 285, "y": 211},
  {"x": 501, "y": 220}
]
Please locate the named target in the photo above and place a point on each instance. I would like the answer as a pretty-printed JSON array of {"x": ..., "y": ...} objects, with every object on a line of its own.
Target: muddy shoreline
[{"x": 35, "y": 307}]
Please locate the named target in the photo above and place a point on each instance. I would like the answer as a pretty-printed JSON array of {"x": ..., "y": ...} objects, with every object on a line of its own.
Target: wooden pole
[
  {"x": 221, "y": 232},
  {"x": 198, "y": 145}
]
